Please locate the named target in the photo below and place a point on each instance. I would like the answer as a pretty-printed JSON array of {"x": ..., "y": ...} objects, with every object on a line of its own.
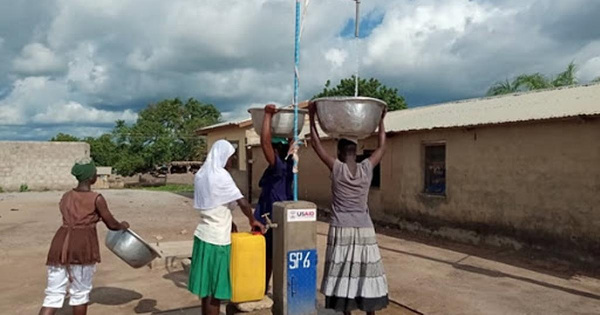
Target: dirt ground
[
  {"x": 426, "y": 276},
  {"x": 28, "y": 222}
]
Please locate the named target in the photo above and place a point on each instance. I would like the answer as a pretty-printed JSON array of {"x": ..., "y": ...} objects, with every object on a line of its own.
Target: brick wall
[{"x": 39, "y": 165}]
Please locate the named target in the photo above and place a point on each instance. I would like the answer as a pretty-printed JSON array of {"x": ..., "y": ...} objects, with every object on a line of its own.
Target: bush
[
  {"x": 1, "y": 190},
  {"x": 23, "y": 188}
]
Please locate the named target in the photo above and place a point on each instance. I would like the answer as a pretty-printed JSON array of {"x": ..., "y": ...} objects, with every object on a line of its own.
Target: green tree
[
  {"x": 567, "y": 77},
  {"x": 536, "y": 81},
  {"x": 502, "y": 87},
  {"x": 596, "y": 80},
  {"x": 64, "y": 137},
  {"x": 164, "y": 132},
  {"x": 103, "y": 150},
  {"x": 369, "y": 88}
]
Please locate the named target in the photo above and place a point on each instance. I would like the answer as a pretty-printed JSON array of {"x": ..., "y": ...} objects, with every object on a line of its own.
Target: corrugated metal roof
[
  {"x": 539, "y": 105},
  {"x": 240, "y": 123}
]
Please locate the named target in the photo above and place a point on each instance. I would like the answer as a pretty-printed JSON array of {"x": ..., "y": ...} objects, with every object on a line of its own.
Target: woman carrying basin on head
[
  {"x": 74, "y": 251},
  {"x": 215, "y": 195},
  {"x": 354, "y": 277},
  {"x": 276, "y": 181}
]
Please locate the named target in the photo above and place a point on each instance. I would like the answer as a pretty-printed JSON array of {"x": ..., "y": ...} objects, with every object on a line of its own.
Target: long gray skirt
[{"x": 354, "y": 277}]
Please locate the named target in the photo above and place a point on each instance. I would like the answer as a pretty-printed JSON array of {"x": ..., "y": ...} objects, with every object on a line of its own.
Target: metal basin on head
[
  {"x": 130, "y": 247},
  {"x": 349, "y": 117},
  {"x": 282, "y": 124}
]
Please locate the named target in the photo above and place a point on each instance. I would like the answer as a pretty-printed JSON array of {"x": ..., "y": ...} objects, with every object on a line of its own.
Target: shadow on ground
[
  {"x": 113, "y": 296},
  {"x": 107, "y": 296},
  {"x": 530, "y": 259},
  {"x": 179, "y": 278},
  {"x": 494, "y": 273}
]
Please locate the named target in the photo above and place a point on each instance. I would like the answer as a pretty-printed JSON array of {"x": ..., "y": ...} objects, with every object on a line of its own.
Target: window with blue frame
[{"x": 435, "y": 169}]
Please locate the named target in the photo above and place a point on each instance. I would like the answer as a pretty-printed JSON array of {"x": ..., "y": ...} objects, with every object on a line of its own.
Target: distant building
[
  {"x": 104, "y": 174},
  {"x": 522, "y": 167},
  {"x": 243, "y": 136}
]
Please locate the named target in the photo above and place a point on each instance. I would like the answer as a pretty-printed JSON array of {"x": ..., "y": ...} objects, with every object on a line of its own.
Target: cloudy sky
[{"x": 76, "y": 66}]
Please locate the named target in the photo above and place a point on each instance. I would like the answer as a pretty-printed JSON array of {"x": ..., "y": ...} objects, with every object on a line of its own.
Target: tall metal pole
[
  {"x": 296, "y": 64},
  {"x": 356, "y": 34},
  {"x": 356, "y": 18}
]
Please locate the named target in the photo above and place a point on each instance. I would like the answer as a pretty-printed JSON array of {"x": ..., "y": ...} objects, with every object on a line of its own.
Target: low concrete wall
[
  {"x": 39, "y": 165},
  {"x": 181, "y": 179}
]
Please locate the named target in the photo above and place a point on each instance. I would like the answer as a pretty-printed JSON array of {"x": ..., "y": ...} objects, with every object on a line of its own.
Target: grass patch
[{"x": 170, "y": 188}]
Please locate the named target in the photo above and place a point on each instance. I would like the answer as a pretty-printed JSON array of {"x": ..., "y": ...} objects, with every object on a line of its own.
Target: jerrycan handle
[{"x": 256, "y": 231}]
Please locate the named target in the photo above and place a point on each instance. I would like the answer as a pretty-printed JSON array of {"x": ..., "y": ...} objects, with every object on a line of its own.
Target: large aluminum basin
[
  {"x": 349, "y": 117},
  {"x": 282, "y": 124},
  {"x": 130, "y": 248}
]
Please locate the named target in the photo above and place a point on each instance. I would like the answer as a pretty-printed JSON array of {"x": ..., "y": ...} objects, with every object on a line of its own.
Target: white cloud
[
  {"x": 41, "y": 100},
  {"x": 336, "y": 57},
  {"x": 37, "y": 59},
  {"x": 73, "y": 112},
  {"x": 100, "y": 59},
  {"x": 590, "y": 70},
  {"x": 86, "y": 73}
]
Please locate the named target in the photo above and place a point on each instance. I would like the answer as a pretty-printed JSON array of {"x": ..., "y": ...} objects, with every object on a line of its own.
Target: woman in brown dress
[{"x": 74, "y": 251}]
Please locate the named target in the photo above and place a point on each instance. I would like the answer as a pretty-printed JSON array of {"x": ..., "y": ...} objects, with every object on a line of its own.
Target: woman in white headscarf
[{"x": 215, "y": 195}]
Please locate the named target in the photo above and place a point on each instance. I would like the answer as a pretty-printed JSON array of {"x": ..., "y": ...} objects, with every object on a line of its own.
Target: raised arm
[
  {"x": 247, "y": 210},
  {"x": 265, "y": 135},
  {"x": 315, "y": 140},
  {"x": 107, "y": 217},
  {"x": 375, "y": 158}
]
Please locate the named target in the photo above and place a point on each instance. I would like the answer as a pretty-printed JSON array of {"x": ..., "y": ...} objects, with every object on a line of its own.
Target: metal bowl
[
  {"x": 282, "y": 124},
  {"x": 130, "y": 247},
  {"x": 349, "y": 117}
]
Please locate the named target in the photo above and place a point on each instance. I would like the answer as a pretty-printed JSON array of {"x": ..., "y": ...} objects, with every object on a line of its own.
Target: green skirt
[{"x": 209, "y": 273}]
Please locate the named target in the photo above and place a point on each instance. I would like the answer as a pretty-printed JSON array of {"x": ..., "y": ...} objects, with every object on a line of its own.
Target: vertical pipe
[
  {"x": 296, "y": 64},
  {"x": 356, "y": 23},
  {"x": 356, "y": 34}
]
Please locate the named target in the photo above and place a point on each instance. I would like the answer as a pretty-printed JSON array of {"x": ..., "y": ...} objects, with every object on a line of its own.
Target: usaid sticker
[{"x": 302, "y": 215}]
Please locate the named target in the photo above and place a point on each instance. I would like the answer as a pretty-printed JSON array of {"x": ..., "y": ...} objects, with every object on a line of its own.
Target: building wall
[
  {"x": 240, "y": 175},
  {"x": 231, "y": 134},
  {"x": 39, "y": 165},
  {"x": 537, "y": 182}
]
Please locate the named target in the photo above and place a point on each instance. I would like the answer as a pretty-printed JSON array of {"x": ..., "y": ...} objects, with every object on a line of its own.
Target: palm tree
[
  {"x": 536, "y": 81},
  {"x": 500, "y": 88},
  {"x": 530, "y": 82},
  {"x": 567, "y": 77}
]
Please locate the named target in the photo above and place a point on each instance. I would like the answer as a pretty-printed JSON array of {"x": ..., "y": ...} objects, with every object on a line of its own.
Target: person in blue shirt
[{"x": 276, "y": 181}]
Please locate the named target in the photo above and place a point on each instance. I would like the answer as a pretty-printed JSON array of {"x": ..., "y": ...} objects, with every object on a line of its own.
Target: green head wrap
[
  {"x": 276, "y": 140},
  {"x": 84, "y": 169}
]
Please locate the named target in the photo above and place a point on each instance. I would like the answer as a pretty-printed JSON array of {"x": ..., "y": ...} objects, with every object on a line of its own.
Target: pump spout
[{"x": 270, "y": 224}]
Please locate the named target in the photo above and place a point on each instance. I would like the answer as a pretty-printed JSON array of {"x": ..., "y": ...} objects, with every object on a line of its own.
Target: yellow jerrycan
[{"x": 247, "y": 267}]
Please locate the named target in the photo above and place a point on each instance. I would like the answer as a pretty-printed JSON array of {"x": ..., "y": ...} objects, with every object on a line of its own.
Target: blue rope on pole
[{"x": 296, "y": 64}]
